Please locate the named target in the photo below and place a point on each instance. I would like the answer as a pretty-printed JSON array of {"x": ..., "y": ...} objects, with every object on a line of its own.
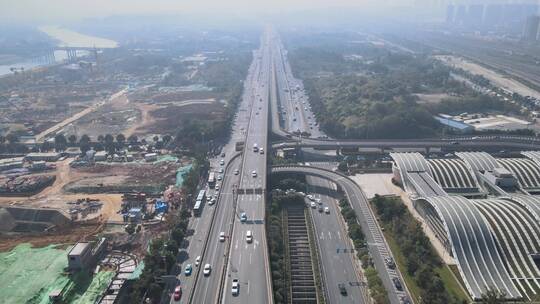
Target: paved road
[
  {"x": 292, "y": 104},
  {"x": 338, "y": 262},
  {"x": 249, "y": 262},
  {"x": 377, "y": 244},
  {"x": 461, "y": 143},
  {"x": 207, "y": 286}
]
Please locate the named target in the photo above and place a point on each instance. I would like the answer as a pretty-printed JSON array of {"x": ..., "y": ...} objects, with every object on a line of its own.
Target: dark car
[
  {"x": 397, "y": 283},
  {"x": 342, "y": 289}
]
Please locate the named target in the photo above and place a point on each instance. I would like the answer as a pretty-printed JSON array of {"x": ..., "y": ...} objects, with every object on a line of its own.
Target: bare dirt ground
[
  {"x": 54, "y": 196},
  {"x": 69, "y": 235},
  {"x": 497, "y": 79}
]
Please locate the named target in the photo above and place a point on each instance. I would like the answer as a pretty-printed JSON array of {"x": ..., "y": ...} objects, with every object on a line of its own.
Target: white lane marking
[
  {"x": 329, "y": 235},
  {"x": 250, "y": 258}
]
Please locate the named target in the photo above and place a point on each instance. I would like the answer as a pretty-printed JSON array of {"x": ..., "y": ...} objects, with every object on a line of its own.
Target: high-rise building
[
  {"x": 450, "y": 10},
  {"x": 530, "y": 30}
]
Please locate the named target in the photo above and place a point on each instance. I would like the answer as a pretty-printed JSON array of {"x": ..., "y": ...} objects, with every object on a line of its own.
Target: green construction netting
[
  {"x": 28, "y": 275},
  {"x": 180, "y": 174},
  {"x": 166, "y": 158}
]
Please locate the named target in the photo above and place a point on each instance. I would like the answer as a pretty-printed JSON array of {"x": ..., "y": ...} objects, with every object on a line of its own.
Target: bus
[
  {"x": 197, "y": 208},
  {"x": 202, "y": 196},
  {"x": 211, "y": 180},
  {"x": 199, "y": 203}
]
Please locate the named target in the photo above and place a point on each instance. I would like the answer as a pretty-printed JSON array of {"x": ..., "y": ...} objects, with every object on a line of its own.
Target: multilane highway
[
  {"x": 378, "y": 247},
  {"x": 248, "y": 261},
  {"x": 338, "y": 261}
]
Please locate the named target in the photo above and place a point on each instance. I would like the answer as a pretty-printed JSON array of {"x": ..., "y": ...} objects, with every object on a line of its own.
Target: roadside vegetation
[
  {"x": 375, "y": 284},
  {"x": 426, "y": 276},
  {"x": 163, "y": 250},
  {"x": 361, "y": 90},
  {"x": 276, "y": 247}
]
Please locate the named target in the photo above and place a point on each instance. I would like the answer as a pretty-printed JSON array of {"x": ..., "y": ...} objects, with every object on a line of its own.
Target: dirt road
[{"x": 41, "y": 136}]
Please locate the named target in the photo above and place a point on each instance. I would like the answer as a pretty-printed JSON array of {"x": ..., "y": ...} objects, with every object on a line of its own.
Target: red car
[{"x": 177, "y": 293}]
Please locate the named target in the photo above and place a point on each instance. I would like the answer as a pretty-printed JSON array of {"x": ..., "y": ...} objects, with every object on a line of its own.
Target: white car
[
  {"x": 198, "y": 260},
  {"x": 207, "y": 270},
  {"x": 236, "y": 171},
  {"x": 220, "y": 177},
  {"x": 222, "y": 236},
  {"x": 217, "y": 188},
  {"x": 326, "y": 210},
  {"x": 261, "y": 151},
  {"x": 235, "y": 288},
  {"x": 211, "y": 201},
  {"x": 310, "y": 197},
  {"x": 313, "y": 205},
  {"x": 222, "y": 162},
  {"x": 249, "y": 236},
  {"x": 220, "y": 170},
  {"x": 254, "y": 173}
]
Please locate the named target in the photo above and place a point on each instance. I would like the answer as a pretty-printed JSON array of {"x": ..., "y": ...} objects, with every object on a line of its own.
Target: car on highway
[
  {"x": 243, "y": 217},
  {"x": 211, "y": 201},
  {"x": 222, "y": 154},
  {"x": 261, "y": 151},
  {"x": 249, "y": 236},
  {"x": 342, "y": 289},
  {"x": 188, "y": 269},
  {"x": 321, "y": 209},
  {"x": 235, "y": 288},
  {"x": 390, "y": 263},
  {"x": 310, "y": 197},
  {"x": 220, "y": 170},
  {"x": 404, "y": 300},
  {"x": 313, "y": 205},
  {"x": 217, "y": 188},
  {"x": 326, "y": 210},
  {"x": 254, "y": 173},
  {"x": 236, "y": 171},
  {"x": 220, "y": 177},
  {"x": 197, "y": 260},
  {"x": 177, "y": 295},
  {"x": 397, "y": 283},
  {"x": 222, "y": 162},
  {"x": 207, "y": 270},
  {"x": 222, "y": 236}
]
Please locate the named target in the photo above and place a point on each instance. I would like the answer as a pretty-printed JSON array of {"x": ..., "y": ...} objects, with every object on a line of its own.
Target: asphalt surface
[
  {"x": 248, "y": 262},
  {"x": 374, "y": 237},
  {"x": 461, "y": 143},
  {"x": 206, "y": 287},
  {"x": 338, "y": 263}
]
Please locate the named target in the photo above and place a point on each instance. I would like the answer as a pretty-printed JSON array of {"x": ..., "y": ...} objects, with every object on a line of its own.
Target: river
[{"x": 65, "y": 38}]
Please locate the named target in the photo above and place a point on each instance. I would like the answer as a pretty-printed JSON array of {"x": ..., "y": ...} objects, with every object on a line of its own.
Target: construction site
[{"x": 74, "y": 226}]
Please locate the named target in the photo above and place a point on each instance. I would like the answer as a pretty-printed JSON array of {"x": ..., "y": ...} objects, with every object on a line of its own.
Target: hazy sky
[{"x": 50, "y": 11}]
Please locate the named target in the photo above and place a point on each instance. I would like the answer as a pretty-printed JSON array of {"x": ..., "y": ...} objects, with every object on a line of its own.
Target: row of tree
[
  {"x": 163, "y": 252},
  {"x": 375, "y": 284}
]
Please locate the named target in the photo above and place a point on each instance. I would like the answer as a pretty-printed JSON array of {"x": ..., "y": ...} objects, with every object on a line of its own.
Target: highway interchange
[{"x": 267, "y": 96}]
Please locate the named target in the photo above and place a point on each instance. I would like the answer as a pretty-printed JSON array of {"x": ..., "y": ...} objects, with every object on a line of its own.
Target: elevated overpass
[{"x": 484, "y": 143}]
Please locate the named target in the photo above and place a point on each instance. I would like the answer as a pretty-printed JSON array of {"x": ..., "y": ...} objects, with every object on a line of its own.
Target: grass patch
[
  {"x": 452, "y": 282},
  {"x": 399, "y": 259}
]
